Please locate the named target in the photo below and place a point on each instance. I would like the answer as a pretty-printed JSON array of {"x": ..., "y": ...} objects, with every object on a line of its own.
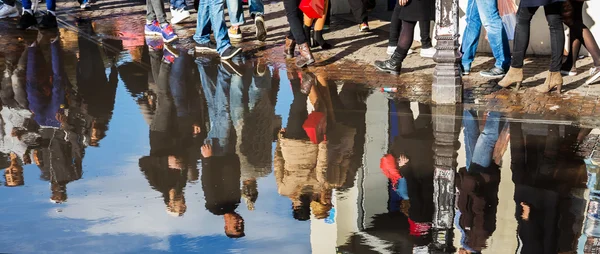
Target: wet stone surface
[{"x": 111, "y": 142}]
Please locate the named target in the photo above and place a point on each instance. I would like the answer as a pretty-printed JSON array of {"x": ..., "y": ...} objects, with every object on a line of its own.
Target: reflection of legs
[
  {"x": 298, "y": 115},
  {"x": 18, "y": 80},
  {"x": 518, "y": 153},
  {"x": 484, "y": 149},
  {"x": 164, "y": 103},
  {"x": 406, "y": 121},
  {"x": 471, "y": 34},
  {"x": 471, "y": 132},
  {"x": 359, "y": 10}
]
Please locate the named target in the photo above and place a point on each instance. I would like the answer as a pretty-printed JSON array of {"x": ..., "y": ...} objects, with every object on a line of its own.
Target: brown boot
[
  {"x": 514, "y": 76},
  {"x": 306, "y": 58},
  {"x": 290, "y": 47},
  {"x": 553, "y": 80}
]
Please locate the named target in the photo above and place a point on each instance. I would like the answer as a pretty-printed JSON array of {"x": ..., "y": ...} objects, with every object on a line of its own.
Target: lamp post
[{"x": 447, "y": 81}]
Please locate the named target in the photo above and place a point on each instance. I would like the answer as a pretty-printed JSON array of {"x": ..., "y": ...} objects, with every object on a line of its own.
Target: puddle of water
[{"x": 105, "y": 150}]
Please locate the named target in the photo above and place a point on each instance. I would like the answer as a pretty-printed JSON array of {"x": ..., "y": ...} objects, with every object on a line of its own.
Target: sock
[{"x": 318, "y": 38}]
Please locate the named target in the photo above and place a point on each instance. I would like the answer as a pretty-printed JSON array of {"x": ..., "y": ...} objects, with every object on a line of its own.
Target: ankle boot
[
  {"x": 306, "y": 58},
  {"x": 318, "y": 40},
  {"x": 290, "y": 47},
  {"x": 513, "y": 76},
  {"x": 392, "y": 65},
  {"x": 553, "y": 80}
]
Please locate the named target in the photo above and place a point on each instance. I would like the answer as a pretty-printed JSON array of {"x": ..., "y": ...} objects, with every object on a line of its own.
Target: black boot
[
  {"x": 392, "y": 65},
  {"x": 319, "y": 41},
  {"x": 26, "y": 21},
  {"x": 48, "y": 21},
  {"x": 307, "y": 34}
]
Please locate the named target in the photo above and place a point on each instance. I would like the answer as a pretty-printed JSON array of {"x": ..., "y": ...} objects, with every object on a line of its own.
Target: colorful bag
[
  {"x": 314, "y": 9},
  {"x": 508, "y": 13},
  {"x": 315, "y": 126}
]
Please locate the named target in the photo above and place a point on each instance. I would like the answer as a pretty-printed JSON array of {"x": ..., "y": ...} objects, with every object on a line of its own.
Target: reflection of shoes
[
  {"x": 232, "y": 68},
  {"x": 170, "y": 53},
  {"x": 7, "y": 11},
  {"x": 594, "y": 75},
  {"x": 428, "y": 53},
  {"x": 179, "y": 15},
  {"x": 364, "y": 27},
  {"x": 48, "y": 22},
  {"x": 261, "y": 30},
  {"x": 154, "y": 43},
  {"x": 168, "y": 33},
  {"x": 26, "y": 21},
  {"x": 235, "y": 33},
  {"x": 152, "y": 29},
  {"x": 230, "y": 52},
  {"x": 206, "y": 47}
]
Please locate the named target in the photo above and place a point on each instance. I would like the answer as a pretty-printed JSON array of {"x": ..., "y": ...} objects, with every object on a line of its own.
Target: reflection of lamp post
[
  {"x": 447, "y": 81},
  {"x": 446, "y": 129}
]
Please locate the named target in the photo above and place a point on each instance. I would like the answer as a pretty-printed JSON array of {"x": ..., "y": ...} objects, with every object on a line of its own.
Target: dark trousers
[
  {"x": 296, "y": 19},
  {"x": 360, "y": 8},
  {"x": 396, "y": 27},
  {"x": 523, "y": 29}
]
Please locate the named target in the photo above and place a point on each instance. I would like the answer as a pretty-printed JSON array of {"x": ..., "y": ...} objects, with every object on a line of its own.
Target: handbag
[
  {"x": 508, "y": 13},
  {"x": 315, "y": 126},
  {"x": 313, "y": 9}
]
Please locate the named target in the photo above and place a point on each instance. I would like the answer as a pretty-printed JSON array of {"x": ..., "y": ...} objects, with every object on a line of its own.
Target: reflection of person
[
  {"x": 167, "y": 174},
  {"x": 221, "y": 186},
  {"x": 478, "y": 182}
]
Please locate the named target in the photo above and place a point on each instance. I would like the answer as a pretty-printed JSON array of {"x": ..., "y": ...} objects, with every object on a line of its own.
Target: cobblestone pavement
[{"x": 350, "y": 61}]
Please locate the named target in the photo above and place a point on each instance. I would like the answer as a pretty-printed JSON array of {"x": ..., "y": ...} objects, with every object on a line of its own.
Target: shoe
[
  {"x": 230, "y": 53},
  {"x": 493, "y": 73},
  {"x": 290, "y": 47},
  {"x": 319, "y": 41},
  {"x": 568, "y": 73},
  {"x": 153, "y": 28},
  {"x": 26, "y": 21},
  {"x": 513, "y": 76},
  {"x": 364, "y": 27},
  {"x": 391, "y": 49},
  {"x": 48, "y": 22},
  {"x": 154, "y": 43},
  {"x": 206, "y": 47},
  {"x": 306, "y": 58},
  {"x": 261, "y": 29},
  {"x": 178, "y": 15},
  {"x": 594, "y": 75},
  {"x": 85, "y": 6},
  {"x": 464, "y": 72},
  {"x": 392, "y": 65},
  {"x": 428, "y": 53},
  {"x": 7, "y": 11},
  {"x": 235, "y": 33},
  {"x": 170, "y": 53},
  {"x": 553, "y": 80},
  {"x": 231, "y": 67},
  {"x": 168, "y": 33}
]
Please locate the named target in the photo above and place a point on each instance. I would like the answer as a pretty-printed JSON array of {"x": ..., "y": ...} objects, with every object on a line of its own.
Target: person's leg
[
  {"x": 425, "y": 27},
  {"x": 257, "y": 8},
  {"x": 295, "y": 17},
  {"x": 51, "y": 6},
  {"x": 522, "y": 32},
  {"x": 406, "y": 38},
  {"x": 298, "y": 114},
  {"x": 150, "y": 15},
  {"x": 318, "y": 33},
  {"x": 484, "y": 149},
  {"x": 358, "y": 10},
  {"x": 557, "y": 35},
  {"x": 471, "y": 132},
  {"x": 490, "y": 18},
  {"x": 470, "y": 40},
  {"x": 178, "y": 4},
  {"x": 158, "y": 10},
  {"x": 236, "y": 13},
  {"x": 219, "y": 28},
  {"x": 395, "y": 26},
  {"x": 203, "y": 24},
  {"x": 583, "y": 35}
]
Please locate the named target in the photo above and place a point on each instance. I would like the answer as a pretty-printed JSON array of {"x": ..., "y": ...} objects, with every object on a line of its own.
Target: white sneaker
[
  {"x": 428, "y": 53},
  {"x": 85, "y": 6},
  {"x": 594, "y": 75},
  {"x": 7, "y": 11},
  {"x": 179, "y": 15},
  {"x": 391, "y": 49}
]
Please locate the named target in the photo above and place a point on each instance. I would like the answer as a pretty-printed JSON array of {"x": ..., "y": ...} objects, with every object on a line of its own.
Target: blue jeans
[
  {"x": 485, "y": 12},
  {"x": 178, "y": 4},
  {"x": 236, "y": 11},
  {"x": 211, "y": 17},
  {"x": 480, "y": 146},
  {"x": 50, "y": 5}
]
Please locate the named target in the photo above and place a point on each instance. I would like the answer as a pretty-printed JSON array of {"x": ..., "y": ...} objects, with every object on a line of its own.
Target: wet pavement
[{"x": 116, "y": 143}]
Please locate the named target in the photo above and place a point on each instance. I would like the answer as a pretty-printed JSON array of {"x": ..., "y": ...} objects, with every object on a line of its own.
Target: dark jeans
[
  {"x": 296, "y": 19},
  {"x": 523, "y": 29},
  {"x": 396, "y": 27},
  {"x": 359, "y": 9}
]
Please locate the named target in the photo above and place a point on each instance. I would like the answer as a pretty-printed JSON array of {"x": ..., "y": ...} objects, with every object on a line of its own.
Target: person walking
[
  {"x": 156, "y": 21},
  {"x": 236, "y": 14},
  {"x": 410, "y": 13},
  {"x": 427, "y": 49},
  {"x": 319, "y": 24},
  {"x": 579, "y": 35},
  {"x": 485, "y": 13},
  {"x": 297, "y": 35},
  {"x": 553, "y": 11},
  {"x": 211, "y": 17},
  {"x": 28, "y": 19}
]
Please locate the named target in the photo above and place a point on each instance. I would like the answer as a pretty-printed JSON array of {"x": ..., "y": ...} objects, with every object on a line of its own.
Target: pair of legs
[
  {"x": 480, "y": 145},
  {"x": 318, "y": 28},
  {"x": 236, "y": 11},
  {"x": 155, "y": 10},
  {"x": 579, "y": 35},
  {"x": 405, "y": 40},
  {"x": 396, "y": 28},
  {"x": 297, "y": 35},
  {"x": 211, "y": 18},
  {"x": 485, "y": 13}
]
